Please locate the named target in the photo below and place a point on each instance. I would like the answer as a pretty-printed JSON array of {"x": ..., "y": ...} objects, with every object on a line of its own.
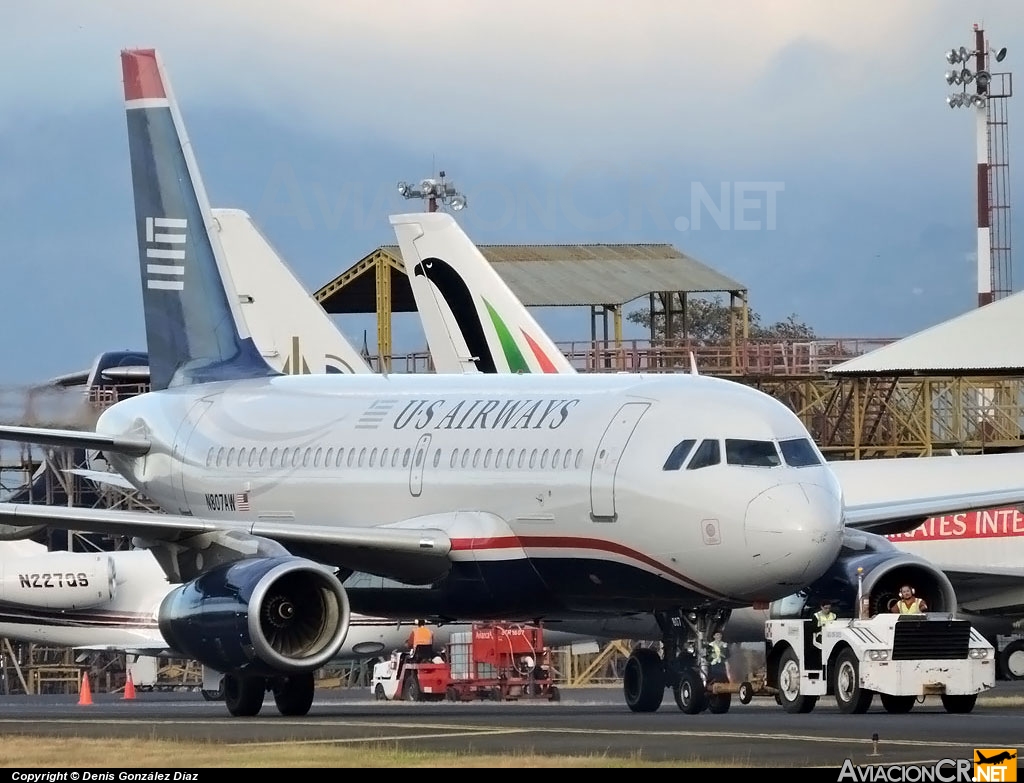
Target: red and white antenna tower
[{"x": 988, "y": 99}]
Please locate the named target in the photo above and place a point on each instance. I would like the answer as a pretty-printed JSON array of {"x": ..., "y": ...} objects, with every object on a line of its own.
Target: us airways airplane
[
  {"x": 980, "y": 552},
  {"x": 471, "y": 319},
  {"x": 535, "y": 496}
]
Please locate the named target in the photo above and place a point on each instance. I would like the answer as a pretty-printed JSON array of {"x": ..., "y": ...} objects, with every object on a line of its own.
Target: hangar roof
[{"x": 544, "y": 275}]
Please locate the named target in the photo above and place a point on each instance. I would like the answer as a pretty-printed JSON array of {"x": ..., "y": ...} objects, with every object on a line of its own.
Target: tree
[{"x": 707, "y": 322}]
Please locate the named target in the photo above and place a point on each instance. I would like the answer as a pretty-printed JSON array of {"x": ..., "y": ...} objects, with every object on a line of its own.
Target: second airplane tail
[
  {"x": 193, "y": 329},
  {"x": 458, "y": 293}
]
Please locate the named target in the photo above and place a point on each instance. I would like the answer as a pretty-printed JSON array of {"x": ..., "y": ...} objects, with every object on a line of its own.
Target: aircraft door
[
  {"x": 179, "y": 458},
  {"x": 419, "y": 462},
  {"x": 606, "y": 461}
]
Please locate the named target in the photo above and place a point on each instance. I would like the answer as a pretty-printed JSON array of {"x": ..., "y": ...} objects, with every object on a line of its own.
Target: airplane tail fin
[
  {"x": 193, "y": 326},
  {"x": 293, "y": 332},
  {"x": 464, "y": 304}
]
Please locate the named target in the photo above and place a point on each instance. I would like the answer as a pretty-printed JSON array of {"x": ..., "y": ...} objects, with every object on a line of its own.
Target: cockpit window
[
  {"x": 708, "y": 453},
  {"x": 679, "y": 454},
  {"x": 799, "y": 452},
  {"x": 752, "y": 453}
]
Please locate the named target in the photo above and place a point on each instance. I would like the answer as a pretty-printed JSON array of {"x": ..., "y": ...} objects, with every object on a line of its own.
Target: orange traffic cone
[
  {"x": 129, "y": 687},
  {"x": 85, "y": 694}
]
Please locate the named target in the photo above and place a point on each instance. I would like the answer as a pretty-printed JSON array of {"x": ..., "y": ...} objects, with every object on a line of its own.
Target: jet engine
[
  {"x": 58, "y": 580},
  {"x": 267, "y": 616},
  {"x": 884, "y": 569}
]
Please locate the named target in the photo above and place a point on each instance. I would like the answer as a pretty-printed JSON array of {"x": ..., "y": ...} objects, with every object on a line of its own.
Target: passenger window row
[
  {"x": 797, "y": 453},
  {"x": 520, "y": 459}
]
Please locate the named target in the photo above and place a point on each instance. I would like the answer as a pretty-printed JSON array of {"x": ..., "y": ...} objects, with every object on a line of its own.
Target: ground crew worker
[
  {"x": 825, "y": 615},
  {"x": 421, "y": 642},
  {"x": 718, "y": 659},
  {"x": 909, "y": 603}
]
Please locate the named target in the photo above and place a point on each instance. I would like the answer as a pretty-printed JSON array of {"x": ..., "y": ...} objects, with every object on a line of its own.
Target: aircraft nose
[{"x": 795, "y": 530}]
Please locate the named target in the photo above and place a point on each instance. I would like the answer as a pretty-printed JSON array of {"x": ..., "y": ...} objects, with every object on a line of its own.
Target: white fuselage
[{"x": 571, "y": 475}]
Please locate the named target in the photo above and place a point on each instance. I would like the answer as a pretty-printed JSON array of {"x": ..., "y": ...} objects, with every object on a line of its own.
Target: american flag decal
[
  {"x": 241, "y": 501},
  {"x": 165, "y": 267}
]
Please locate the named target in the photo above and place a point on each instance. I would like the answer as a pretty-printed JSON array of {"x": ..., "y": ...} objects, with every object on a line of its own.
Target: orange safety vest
[
  {"x": 422, "y": 635},
  {"x": 914, "y": 608}
]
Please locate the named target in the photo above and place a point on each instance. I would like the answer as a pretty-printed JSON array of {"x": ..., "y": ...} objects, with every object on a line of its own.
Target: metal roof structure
[
  {"x": 545, "y": 275},
  {"x": 984, "y": 341}
]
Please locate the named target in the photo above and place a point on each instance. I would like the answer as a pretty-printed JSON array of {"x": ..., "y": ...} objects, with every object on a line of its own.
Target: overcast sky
[{"x": 562, "y": 122}]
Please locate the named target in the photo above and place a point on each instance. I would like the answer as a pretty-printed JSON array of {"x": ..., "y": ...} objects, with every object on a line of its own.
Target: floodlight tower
[
  {"x": 989, "y": 103},
  {"x": 434, "y": 191}
]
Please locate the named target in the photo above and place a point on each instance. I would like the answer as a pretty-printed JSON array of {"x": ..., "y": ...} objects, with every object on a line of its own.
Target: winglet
[
  {"x": 693, "y": 364},
  {"x": 141, "y": 75}
]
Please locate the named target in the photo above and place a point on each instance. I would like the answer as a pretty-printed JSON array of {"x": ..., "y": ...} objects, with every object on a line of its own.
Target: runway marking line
[{"x": 447, "y": 730}]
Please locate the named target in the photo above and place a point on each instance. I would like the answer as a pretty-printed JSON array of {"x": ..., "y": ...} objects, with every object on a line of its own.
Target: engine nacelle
[
  {"x": 58, "y": 580},
  {"x": 262, "y": 616},
  {"x": 885, "y": 569}
]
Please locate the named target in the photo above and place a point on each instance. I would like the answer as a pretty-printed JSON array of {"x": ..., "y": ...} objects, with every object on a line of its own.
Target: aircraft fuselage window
[
  {"x": 263, "y": 457},
  {"x": 707, "y": 454},
  {"x": 752, "y": 453},
  {"x": 339, "y": 458},
  {"x": 273, "y": 457},
  {"x": 487, "y": 459},
  {"x": 567, "y": 459},
  {"x": 522, "y": 458},
  {"x": 455, "y": 456},
  {"x": 544, "y": 459},
  {"x": 252, "y": 457},
  {"x": 510, "y": 459},
  {"x": 209, "y": 457},
  {"x": 437, "y": 457},
  {"x": 498, "y": 459},
  {"x": 678, "y": 455},
  {"x": 579, "y": 459},
  {"x": 284, "y": 457},
  {"x": 799, "y": 453},
  {"x": 220, "y": 456},
  {"x": 394, "y": 458},
  {"x": 465, "y": 458},
  {"x": 231, "y": 456}
]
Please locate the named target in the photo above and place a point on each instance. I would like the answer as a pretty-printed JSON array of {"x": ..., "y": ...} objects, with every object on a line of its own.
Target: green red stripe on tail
[{"x": 514, "y": 357}]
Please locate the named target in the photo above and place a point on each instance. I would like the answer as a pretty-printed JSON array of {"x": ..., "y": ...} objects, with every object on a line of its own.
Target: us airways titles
[{"x": 485, "y": 414}]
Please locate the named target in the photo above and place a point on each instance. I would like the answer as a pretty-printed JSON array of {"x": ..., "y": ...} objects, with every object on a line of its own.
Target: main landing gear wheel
[
  {"x": 293, "y": 694},
  {"x": 643, "y": 681},
  {"x": 718, "y": 703},
  {"x": 690, "y": 695},
  {"x": 851, "y": 698},
  {"x": 244, "y": 695},
  {"x": 789, "y": 686}
]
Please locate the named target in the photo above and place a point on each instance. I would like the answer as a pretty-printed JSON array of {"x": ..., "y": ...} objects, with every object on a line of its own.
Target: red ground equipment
[
  {"x": 494, "y": 661},
  {"x": 500, "y": 661}
]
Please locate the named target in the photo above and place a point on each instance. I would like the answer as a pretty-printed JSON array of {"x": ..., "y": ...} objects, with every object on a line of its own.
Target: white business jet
[
  {"x": 109, "y": 601},
  {"x": 533, "y": 496}
]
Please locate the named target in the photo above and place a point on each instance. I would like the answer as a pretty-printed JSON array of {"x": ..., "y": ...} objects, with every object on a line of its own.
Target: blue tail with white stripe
[{"x": 193, "y": 326}]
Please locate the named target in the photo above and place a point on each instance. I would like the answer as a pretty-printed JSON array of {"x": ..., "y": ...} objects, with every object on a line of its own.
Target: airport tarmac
[{"x": 585, "y": 722}]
